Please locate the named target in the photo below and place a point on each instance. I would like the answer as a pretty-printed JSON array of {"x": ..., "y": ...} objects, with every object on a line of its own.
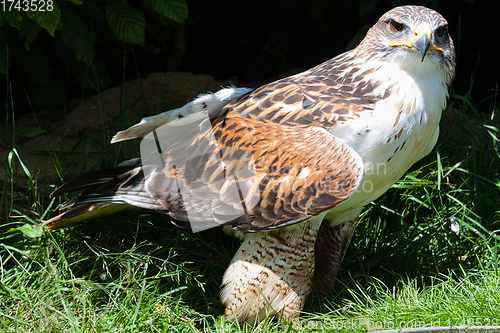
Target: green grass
[{"x": 424, "y": 253}]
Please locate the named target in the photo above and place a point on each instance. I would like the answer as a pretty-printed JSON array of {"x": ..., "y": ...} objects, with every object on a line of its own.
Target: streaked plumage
[{"x": 289, "y": 165}]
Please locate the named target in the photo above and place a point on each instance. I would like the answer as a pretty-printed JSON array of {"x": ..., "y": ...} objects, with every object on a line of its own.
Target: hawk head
[{"x": 413, "y": 36}]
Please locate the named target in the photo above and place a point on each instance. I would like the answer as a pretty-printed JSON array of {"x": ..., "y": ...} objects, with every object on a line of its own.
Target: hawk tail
[{"x": 104, "y": 192}]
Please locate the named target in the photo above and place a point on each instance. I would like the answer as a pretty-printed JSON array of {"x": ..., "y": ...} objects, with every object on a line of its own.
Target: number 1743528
[{"x": 27, "y": 5}]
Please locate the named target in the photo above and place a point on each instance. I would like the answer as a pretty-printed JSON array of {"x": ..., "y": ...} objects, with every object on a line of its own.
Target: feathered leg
[
  {"x": 271, "y": 273},
  {"x": 331, "y": 246}
]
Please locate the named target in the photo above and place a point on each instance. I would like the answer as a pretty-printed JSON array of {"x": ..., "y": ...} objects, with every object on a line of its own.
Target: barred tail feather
[
  {"x": 104, "y": 192},
  {"x": 83, "y": 212},
  {"x": 96, "y": 178}
]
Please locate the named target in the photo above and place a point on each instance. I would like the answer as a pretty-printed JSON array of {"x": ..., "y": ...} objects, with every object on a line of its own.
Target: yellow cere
[{"x": 420, "y": 30}]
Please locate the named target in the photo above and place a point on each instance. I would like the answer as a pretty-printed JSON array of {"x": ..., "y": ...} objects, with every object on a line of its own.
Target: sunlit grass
[{"x": 427, "y": 251}]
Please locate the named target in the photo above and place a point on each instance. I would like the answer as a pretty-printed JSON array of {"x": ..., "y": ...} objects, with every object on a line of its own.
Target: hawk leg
[
  {"x": 271, "y": 273},
  {"x": 331, "y": 246}
]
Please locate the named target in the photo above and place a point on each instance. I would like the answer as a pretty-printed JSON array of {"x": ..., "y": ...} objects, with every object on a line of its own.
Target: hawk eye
[
  {"x": 396, "y": 26},
  {"x": 441, "y": 32}
]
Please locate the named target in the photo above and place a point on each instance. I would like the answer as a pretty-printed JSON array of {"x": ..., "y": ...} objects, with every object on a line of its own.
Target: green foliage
[
  {"x": 176, "y": 10},
  {"x": 77, "y": 21},
  {"x": 127, "y": 22},
  {"x": 426, "y": 251},
  {"x": 13, "y": 18},
  {"x": 77, "y": 35},
  {"x": 48, "y": 19}
]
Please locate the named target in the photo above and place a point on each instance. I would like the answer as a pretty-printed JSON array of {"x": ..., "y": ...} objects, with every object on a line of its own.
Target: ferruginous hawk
[{"x": 287, "y": 166}]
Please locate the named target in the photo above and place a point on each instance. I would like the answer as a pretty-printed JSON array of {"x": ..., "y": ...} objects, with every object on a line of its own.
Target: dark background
[
  {"x": 257, "y": 40},
  {"x": 229, "y": 43},
  {"x": 251, "y": 42}
]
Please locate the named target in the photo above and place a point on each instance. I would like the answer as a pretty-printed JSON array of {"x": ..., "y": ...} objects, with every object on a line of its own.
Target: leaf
[
  {"x": 10, "y": 159},
  {"x": 30, "y": 30},
  {"x": 47, "y": 19},
  {"x": 77, "y": 35},
  {"x": 176, "y": 10},
  {"x": 30, "y": 231},
  {"x": 13, "y": 18},
  {"x": 126, "y": 22}
]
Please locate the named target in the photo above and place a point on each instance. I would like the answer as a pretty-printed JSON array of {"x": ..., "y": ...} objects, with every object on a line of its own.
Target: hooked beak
[{"x": 421, "y": 42}]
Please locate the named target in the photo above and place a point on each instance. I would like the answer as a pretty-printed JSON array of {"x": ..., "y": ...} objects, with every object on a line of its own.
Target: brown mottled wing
[
  {"x": 255, "y": 171},
  {"x": 324, "y": 96}
]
